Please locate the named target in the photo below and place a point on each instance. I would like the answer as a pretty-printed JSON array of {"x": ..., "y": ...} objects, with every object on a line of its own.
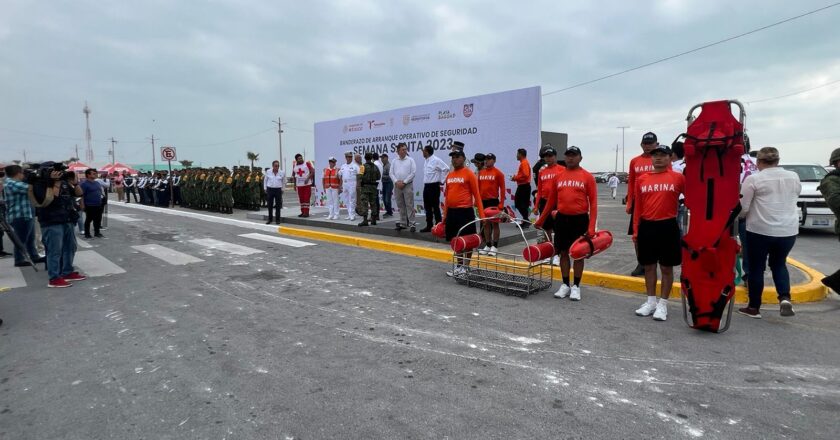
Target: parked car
[{"x": 813, "y": 211}]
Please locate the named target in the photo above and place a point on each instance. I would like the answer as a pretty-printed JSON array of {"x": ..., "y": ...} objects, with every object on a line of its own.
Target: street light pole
[
  {"x": 622, "y": 145},
  {"x": 280, "y": 141}
]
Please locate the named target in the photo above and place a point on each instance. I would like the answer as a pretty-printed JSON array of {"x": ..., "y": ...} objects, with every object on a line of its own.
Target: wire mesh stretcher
[{"x": 503, "y": 272}]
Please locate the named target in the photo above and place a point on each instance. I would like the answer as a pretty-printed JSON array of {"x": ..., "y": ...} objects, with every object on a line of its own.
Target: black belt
[{"x": 370, "y": 184}]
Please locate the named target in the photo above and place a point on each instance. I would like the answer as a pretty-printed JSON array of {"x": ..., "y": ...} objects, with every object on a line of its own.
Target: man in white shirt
[
  {"x": 273, "y": 185},
  {"x": 434, "y": 175},
  {"x": 403, "y": 170},
  {"x": 768, "y": 200},
  {"x": 347, "y": 175},
  {"x": 613, "y": 184}
]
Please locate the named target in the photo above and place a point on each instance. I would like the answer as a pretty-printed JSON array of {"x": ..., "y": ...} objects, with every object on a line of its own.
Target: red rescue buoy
[
  {"x": 465, "y": 243},
  {"x": 585, "y": 247},
  {"x": 491, "y": 212},
  {"x": 439, "y": 230},
  {"x": 537, "y": 252}
]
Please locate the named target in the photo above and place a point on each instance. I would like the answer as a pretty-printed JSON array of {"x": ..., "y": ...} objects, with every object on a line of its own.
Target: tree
[
  {"x": 186, "y": 163},
  {"x": 253, "y": 157}
]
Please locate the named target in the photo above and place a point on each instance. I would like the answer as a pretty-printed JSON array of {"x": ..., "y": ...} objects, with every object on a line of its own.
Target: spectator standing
[
  {"x": 655, "y": 229},
  {"x": 347, "y": 175},
  {"x": 613, "y": 185},
  {"x": 522, "y": 178},
  {"x": 119, "y": 186},
  {"x": 92, "y": 203},
  {"x": 273, "y": 184},
  {"x": 768, "y": 201},
  {"x": 19, "y": 215},
  {"x": 748, "y": 168},
  {"x": 387, "y": 186},
  {"x": 403, "y": 171},
  {"x": 332, "y": 185},
  {"x": 54, "y": 200},
  {"x": 830, "y": 189},
  {"x": 130, "y": 183},
  {"x": 3, "y": 253},
  {"x": 304, "y": 175},
  {"x": 434, "y": 174}
]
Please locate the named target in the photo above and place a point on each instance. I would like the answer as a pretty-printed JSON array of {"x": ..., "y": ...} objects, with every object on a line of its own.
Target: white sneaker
[
  {"x": 484, "y": 250},
  {"x": 575, "y": 295},
  {"x": 493, "y": 250},
  {"x": 661, "y": 312},
  {"x": 563, "y": 292},
  {"x": 457, "y": 272},
  {"x": 556, "y": 260},
  {"x": 646, "y": 309}
]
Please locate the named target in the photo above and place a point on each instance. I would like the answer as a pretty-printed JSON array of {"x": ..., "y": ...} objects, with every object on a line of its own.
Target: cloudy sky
[{"x": 209, "y": 76}]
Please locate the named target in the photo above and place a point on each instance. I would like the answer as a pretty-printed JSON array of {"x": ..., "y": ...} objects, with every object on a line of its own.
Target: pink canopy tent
[
  {"x": 117, "y": 168},
  {"x": 78, "y": 167}
]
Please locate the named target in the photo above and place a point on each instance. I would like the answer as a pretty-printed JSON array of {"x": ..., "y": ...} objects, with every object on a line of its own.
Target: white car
[{"x": 813, "y": 211}]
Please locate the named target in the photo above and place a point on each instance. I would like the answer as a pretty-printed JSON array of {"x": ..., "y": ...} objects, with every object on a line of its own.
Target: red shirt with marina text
[{"x": 657, "y": 196}]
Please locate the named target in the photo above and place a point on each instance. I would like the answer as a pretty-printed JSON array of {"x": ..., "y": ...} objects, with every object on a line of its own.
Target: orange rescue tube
[
  {"x": 586, "y": 247},
  {"x": 538, "y": 252},
  {"x": 465, "y": 243}
]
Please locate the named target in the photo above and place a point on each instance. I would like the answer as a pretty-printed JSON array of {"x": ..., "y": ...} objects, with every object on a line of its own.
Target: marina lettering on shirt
[
  {"x": 657, "y": 197},
  {"x": 546, "y": 177},
  {"x": 574, "y": 192}
]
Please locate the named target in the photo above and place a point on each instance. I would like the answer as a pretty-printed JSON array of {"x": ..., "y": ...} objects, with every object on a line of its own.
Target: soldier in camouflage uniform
[
  {"x": 225, "y": 193},
  {"x": 830, "y": 189},
  {"x": 368, "y": 182}
]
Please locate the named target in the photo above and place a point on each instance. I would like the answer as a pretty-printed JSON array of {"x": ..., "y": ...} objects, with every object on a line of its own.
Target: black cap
[
  {"x": 572, "y": 150},
  {"x": 649, "y": 138},
  {"x": 457, "y": 145},
  {"x": 490, "y": 156},
  {"x": 661, "y": 149},
  {"x": 457, "y": 152},
  {"x": 479, "y": 157},
  {"x": 548, "y": 151}
]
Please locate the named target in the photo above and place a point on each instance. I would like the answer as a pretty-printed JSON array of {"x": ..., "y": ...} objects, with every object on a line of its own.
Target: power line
[
  {"x": 697, "y": 49},
  {"x": 794, "y": 93}
]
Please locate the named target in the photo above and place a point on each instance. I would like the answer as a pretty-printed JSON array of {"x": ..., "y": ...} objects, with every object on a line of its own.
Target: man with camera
[
  {"x": 53, "y": 195},
  {"x": 19, "y": 215}
]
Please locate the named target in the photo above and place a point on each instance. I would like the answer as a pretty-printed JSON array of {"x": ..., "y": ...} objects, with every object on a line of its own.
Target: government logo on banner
[{"x": 468, "y": 110}]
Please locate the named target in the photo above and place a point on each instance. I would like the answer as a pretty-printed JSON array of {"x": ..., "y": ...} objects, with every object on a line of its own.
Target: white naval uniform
[{"x": 348, "y": 173}]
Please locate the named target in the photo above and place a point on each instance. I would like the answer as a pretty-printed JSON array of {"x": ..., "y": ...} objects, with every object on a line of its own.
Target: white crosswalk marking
[
  {"x": 278, "y": 240},
  {"x": 123, "y": 218},
  {"x": 170, "y": 256},
  {"x": 11, "y": 276},
  {"x": 226, "y": 247},
  {"x": 93, "y": 264}
]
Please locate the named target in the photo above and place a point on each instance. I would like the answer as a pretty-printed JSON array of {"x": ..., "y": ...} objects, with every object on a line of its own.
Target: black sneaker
[
  {"x": 40, "y": 260},
  {"x": 413, "y": 229},
  {"x": 4, "y": 254},
  {"x": 786, "y": 308},
  {"x": 751, "y": 312},
  {"x": 426, "y": 229},
  {"x": 24, "y": 264},
  {"x": 399, "y": 227},
  {"x": 98, "y": 235},
  {"x": 638, "y": 271},
  {"x": 269, "y": 221}
]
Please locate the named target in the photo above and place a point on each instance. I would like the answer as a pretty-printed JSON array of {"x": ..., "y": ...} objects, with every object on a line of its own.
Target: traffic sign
[{"x": 167, "y": 153}]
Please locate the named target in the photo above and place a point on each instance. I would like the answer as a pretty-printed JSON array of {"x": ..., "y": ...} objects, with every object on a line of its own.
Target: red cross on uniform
[{"x": 300, "y": 172}]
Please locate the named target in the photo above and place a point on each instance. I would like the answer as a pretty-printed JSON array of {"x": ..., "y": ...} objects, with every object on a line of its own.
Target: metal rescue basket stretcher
[{"x": 504, "y": 272}]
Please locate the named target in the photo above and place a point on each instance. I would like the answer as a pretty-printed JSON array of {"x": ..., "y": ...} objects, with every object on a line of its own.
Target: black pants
[
  {"x": 93, "y": 214},
  {"x": 522, "y": 199},
  {"x": 274, "y": 198},
  {"x": 431, "y": 203},
  {"x": 128, "y": 193}
]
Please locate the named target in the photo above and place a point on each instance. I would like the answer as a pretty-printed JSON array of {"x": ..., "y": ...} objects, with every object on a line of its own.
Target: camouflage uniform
[{"x": 369, "y": 193}]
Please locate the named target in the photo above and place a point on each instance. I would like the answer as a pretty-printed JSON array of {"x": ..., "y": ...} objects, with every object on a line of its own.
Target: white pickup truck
[{"x": 813, "y": 211}]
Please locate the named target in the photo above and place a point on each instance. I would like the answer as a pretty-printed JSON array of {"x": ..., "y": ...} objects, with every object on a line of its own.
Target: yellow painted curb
[{"x": 810, "y": 291}]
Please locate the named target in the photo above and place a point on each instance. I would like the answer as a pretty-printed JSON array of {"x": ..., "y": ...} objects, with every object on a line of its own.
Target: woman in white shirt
[{"x": 768, "y": 199}]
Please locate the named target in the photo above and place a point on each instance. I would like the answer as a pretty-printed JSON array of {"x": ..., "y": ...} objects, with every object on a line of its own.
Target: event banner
[{"x": 498, "y": 123}]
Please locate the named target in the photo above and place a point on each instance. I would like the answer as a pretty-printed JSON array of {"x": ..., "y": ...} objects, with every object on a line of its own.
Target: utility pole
[
  {"x": 89, "y": 151},
  {"x": 616, "y": 158},
  {"x": 280, "y": 141},
  {"x": 77, "y": 153},
  {"x": 622, "y": 145},
  {"x": 113, "y": 150},
  {"x": 24, "y": 157},
  {"x": 154, "y": 163}
]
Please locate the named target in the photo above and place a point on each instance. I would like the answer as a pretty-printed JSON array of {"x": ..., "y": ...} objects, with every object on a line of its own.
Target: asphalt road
[{"x": 266, "y": 340}]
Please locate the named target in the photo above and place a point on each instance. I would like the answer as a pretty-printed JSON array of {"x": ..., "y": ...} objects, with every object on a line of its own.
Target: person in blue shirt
[
  {"x": 92, "y": 203},
  {"x": 19, "y": 215}
]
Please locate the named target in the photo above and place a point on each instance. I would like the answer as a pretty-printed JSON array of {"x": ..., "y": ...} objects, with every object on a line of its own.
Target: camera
[{"x": 42, "y": 173}]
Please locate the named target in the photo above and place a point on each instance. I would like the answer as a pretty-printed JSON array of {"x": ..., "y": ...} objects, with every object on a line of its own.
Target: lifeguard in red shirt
[
  {"x": 656, "y": 231},
  {"x": 460, "y": 195},
  {"x": 639, "y": 166},
  {"x": 573, "y": 199},
  {"x": 491, "y": 185}
]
